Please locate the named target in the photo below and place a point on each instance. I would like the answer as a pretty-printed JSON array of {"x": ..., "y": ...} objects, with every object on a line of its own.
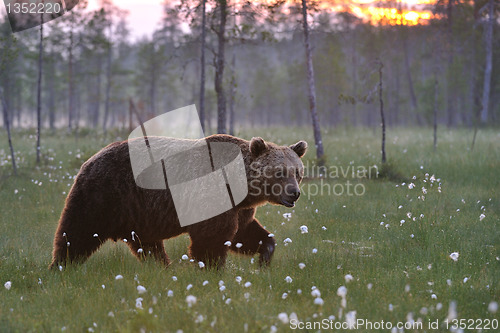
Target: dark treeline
[{"x": 91, "y": 68}]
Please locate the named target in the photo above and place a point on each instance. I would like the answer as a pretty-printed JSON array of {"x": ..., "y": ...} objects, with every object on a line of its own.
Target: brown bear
[{"x": 106, "y": 203}]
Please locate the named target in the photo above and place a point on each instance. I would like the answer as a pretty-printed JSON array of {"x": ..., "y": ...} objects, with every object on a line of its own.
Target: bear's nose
[{"x": 296, "y": 194}]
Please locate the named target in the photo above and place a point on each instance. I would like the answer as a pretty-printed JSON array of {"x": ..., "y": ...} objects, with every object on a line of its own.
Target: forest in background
[{"x": 91, "y": 68}]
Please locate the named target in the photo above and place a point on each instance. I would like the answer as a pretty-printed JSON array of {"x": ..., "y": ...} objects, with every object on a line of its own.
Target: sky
[{"x": 144, "y": 15}]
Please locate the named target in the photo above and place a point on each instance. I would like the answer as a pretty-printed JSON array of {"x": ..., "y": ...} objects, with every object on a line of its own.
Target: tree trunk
[
  {"x": 108, "y": 82},
  {"x": 39, "y": 95},
  {"x": 232, "y": 96},
  {"x": 71, "y": 99},
  {"x": 51, "y": 91},
  {"x": 202, "y": 63},
  {"x": 413, "y": 96},
  {"x": 311, "y": 88},
  {"x": 382, "y": 117},
  {"x": 435, "y": 110},
  {"x": 488, "y": 69},
  {"x": 7, "y": 126},
  {"x": 450, "y": 96},
  {"x": 219, "y": 69}
]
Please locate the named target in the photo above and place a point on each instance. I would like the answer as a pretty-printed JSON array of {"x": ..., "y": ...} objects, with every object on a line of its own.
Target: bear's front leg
[
  {"x": 208, "y": 239},
  {"x": 252, "y": 238}
]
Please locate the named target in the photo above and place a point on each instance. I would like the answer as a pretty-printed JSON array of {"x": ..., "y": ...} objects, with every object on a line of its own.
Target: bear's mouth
[{"x": 287, "y": 203}]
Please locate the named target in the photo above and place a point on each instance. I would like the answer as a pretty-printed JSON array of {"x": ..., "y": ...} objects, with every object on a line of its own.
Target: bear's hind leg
[
  {"x": 254, "y": 239},
  {"x": 150, "y": 249}
]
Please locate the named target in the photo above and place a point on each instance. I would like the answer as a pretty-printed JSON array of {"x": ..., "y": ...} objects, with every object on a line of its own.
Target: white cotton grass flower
[
  {"x": 350, "y": 318},
  {"x": 319, "y": 301},
  {"x": 284, "y": 295},
  {"x": 227, "y": 243},
  {"x": 138, "y": 303},
  {"x": 288, "y": 279},
  {"x": 273, "y": 329},
  {"x": 248, "y": 284},
  {"x": 8, "y": 285},
  {"x": 287, "y": 241},
  {"x": 228, "y": 301},
  {"x": 238, "y": 245},
  {"x": 342, "y": 292},
  {"x": 201, "y": 264},
  {"x": 174, "y": 278},
  {"x": 222, "y": 288},
  {"x": 481, "y": 217},
  {"x": 348, "y": 278},
  {"x": 315, "y": 293},
  {"x": 287, "y": 215},
  {"x": 205, "y": 283},
  {"x": 170, "y": 293},
  {"x": 190, "y": 300},
  {"x": 184, "y": 257},
  {"x": 315, "y": 250},
  {"x": 302, "y": 265},
  {"x": 238, "y": 279},
  {"x": 304, "y": 229},
  {"x": 452, "y": 311},
  {"x": 119, "y": 277},
  {"x": 411, "y": 186},
  {"x": 283, "y": 317},
  {"x": 454, "y": 256},
  {"x": 189, "y": 286},
  {"x": 141, "y": 290},
  {"x": 493, "y": 307},
  {"x": 270, "y": 235},
  {"x": 434, "y": 296},
  {"x": 323, "y": 228}
]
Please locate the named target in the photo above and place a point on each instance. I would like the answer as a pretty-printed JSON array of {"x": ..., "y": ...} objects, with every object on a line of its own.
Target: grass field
[{"x": 389, "y": 246}]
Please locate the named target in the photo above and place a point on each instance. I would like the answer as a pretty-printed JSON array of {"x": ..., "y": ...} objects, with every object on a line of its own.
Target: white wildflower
[
  {"x": 493, "y": 307},
  {"x": 283, "y": 316},
  {"x": 304, "y": 229},
  {"x": 454, "y": 256},
  {"x": 190, "y": 300},
  {"x": 319, "y": 301},
  {"x": 141, "y": 290}
]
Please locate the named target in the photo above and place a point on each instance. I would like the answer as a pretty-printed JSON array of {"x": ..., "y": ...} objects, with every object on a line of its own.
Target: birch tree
[{"x": 311, "y": 88}]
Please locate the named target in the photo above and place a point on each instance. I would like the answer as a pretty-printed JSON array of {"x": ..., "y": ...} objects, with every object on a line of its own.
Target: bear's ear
[
  {"x": 258, "y": 146},
  {"x": 300, "y": 148}
]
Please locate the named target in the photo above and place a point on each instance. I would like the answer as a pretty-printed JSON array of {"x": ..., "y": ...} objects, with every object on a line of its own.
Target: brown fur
[{"x": 105, "y": 200}]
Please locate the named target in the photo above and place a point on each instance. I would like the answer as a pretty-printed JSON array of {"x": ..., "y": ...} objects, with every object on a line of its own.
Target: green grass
[{"x": 386, "y": 256}]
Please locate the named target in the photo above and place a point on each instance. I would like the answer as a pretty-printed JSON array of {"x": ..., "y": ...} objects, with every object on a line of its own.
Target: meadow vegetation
[{"x": 391, "y": 247}]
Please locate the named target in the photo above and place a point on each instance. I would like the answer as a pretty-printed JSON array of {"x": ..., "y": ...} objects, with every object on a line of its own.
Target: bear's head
[{"x": 275, "y": 171}]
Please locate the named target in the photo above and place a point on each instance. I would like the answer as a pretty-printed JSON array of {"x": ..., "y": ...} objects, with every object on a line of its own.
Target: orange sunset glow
[{"x": 144, "y": 15}]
